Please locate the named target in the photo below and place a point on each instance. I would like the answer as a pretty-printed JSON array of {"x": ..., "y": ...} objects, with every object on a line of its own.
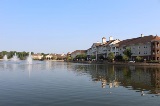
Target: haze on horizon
[{"x": 61, "y": 26}]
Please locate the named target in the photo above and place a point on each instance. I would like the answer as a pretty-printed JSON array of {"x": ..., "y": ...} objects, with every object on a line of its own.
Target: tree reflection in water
[{"x": 136, "y": 78}]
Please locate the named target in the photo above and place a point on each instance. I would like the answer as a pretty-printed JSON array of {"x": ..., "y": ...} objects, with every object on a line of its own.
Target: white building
[{"x": 103, "y": 49}]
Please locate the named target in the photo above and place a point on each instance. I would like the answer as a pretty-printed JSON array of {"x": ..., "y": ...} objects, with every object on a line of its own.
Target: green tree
[
  {"x": 118, "y": 57},
  {"x": 111, "y": 56},
  {"x": 4, "y": 53},
  {"x": 138, "y": 58},
  {"x": 101, "y": 57},
  {"x": 1, "y": 57},
  {"x": 83, "y": 56},
  {"x": 68, "y": 58},
  {"x": 93, "y": 57},
  {"x": 127, "y": 52},
  {"x": 125, "y": 58}
]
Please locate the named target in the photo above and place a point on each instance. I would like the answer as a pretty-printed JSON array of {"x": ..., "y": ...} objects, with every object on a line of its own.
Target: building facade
[
  {"x": 101, "y": 50},
  {"x": 37, "y": 56}
]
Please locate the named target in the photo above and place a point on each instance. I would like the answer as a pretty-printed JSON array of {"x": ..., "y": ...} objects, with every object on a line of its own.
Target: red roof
[{"x": 156, "y": 38}]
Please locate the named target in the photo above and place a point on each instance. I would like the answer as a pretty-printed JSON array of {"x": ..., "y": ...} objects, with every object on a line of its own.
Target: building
[
  {"x": 55, "y": 56},
  {"x": 37, "y": 56},
  {"x": 146, "y": 47},
  {"x": 103, "y": 49}
]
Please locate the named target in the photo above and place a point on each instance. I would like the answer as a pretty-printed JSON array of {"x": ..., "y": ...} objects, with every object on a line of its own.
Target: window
[
  {"x": 145, "y": 52},
  {"x": 145, "y": 46},
  {"x": 139, "y": 52}
]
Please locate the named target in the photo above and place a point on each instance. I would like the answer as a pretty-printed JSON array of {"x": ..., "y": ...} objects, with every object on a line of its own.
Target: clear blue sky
[{"x": 57, "y": 26}]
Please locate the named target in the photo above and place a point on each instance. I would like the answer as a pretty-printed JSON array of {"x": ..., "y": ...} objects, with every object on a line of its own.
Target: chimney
[
  {"x": 110, "y": 38},
  {"x": 103, "y": 40},
  {"x": 142, "y": 35}
]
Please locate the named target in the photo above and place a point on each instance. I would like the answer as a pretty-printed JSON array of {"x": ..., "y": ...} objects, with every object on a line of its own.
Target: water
[{"x": 50, "y": 83}]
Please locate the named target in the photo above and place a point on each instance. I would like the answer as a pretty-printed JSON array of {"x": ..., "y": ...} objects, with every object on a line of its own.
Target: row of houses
[
  {"x": 147, "y": 47},
  {"x": 54, "y": 56}
]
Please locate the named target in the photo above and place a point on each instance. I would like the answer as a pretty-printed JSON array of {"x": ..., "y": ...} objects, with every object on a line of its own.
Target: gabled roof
[
  {"x": 96, "y": 44},
  {"x": 156, "y": 38},
  {"x": 109, "y": 42}
]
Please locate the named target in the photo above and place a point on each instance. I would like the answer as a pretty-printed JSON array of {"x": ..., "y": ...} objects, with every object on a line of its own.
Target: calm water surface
[{"x": 50, "y": 83}]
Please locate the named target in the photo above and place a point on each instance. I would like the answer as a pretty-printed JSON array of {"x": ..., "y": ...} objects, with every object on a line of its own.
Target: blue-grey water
[{"x": 48, "y": 83}]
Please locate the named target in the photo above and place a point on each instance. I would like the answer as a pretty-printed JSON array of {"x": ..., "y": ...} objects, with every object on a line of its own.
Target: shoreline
[
  {"x": 118, "y": 63},
  {"x": 109, "y": 63}
]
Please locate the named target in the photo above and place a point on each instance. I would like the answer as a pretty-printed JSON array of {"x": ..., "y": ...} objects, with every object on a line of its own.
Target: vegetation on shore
[{"x": 21, "y": 55}]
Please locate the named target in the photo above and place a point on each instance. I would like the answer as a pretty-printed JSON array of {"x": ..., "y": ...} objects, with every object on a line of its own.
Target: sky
[{"x": 61, "y": 26}]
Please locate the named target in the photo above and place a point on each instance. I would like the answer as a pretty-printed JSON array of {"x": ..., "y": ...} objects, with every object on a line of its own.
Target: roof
[
  {"x": 108, "y": 42},
  {"x": 97, "y": 44},
  {"x": 81, "y": 51},
  {"x": 144, "y": 39},
  {"x": 36, "y": 54},
  {"x": 156, "y": 38}
]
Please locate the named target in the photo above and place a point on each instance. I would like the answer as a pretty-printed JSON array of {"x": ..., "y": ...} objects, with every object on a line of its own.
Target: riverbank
[
  {"x": 118, "y": 63},
  {"x": 58, "y": 60}
]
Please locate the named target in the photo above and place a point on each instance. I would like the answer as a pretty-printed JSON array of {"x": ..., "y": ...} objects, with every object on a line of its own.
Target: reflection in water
[
  {"x": 66, "y": 84},
  {"x": 139, "y": 78},
  {"x": 48, "y": 65}
]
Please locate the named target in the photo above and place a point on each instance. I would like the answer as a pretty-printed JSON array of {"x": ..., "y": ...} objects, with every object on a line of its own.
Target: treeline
[{"x": 20, "y": 55}]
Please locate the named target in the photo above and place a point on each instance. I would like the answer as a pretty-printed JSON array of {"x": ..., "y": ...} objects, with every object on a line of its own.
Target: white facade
[
  {"x": 48, "y": 57},
  {"x": 37, "y": 56},
  {"x": 104, "y": 48}
]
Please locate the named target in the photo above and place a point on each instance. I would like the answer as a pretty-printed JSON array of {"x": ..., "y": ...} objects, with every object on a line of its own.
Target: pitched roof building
[
  {"x": 102, "y": 49},
  {"x": 146, "y": 47}
]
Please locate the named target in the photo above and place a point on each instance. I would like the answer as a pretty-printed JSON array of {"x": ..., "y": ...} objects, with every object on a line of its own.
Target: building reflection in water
[
  {"x": 132, "y": 77},
  {"x": 155, "y": 78}
]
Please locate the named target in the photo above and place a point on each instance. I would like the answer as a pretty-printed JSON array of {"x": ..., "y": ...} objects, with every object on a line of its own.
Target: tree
[
  {"x": 101, "y": 57},
  {"x": 84, "y": 56},
  {"x": 118, "y": 57},
  {"x": 127, "y": 52},
  {"x": 93, "y": 57},
  {"x": 125, "y": 57},
  {"x": 68, "y": 58},
  {"x": 81, "y": 56},
  {"x": 138, "y": 58},
  {"x": 1, "y": 57},
  {"x": 111, "y": 56},
  {"x": 4, "y": 53}
]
